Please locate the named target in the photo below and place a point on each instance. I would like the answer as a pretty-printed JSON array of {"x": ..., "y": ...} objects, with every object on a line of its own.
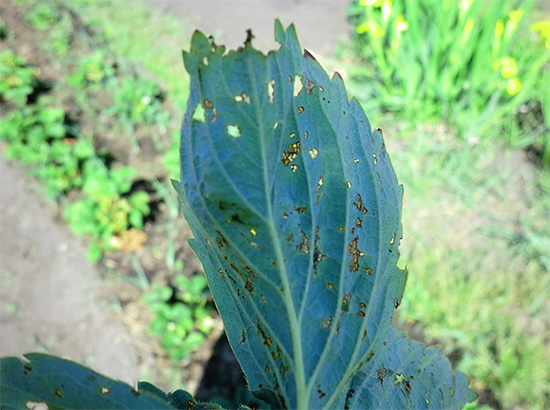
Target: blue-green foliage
[
  {"x": 63, "y": 384},
  {"x": 296, "y": 213}
]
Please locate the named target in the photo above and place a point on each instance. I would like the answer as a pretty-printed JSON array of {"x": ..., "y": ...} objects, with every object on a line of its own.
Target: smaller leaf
[{"x": 61, "y": 383}]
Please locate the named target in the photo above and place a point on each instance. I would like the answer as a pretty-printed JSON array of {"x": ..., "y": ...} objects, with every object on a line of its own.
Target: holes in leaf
[
  {"x": 252, "y": 232},
  {"x": 298, "y": 85},
  {"x": 345, "y": 302},
  {"x": 330, "y": 286},
  {"x": 104, "y": 390},
  {"x": 313, "y": 153},
  {"x": 306, "y": 134},
  {"x": 205, "y": 61},
  {"x": 358, "y": 223},
  {"x": 348, "y": 184},
  {"x": 233, "y": 131},
  {"x": 310, "y": 85},
  {"x": 368, "y": 271},
  {"x": 318, "y": 256},
  {"x": 271, "y": 90},
  {"x": 361, "y": 313},
  {"x": 208, "y": 104},
  {"x": 294, "y": 167},
  {"x": 249, "y": 286},
  {"x": 392, "y": 241},
  {"x": 36, "y": 405},
  {"x": 199, "y": 114},
  {"x": 319, "y": 185},
  {"x": 303, "y": 246},
  {"x": 325, "y": 324},
  {"x": 242, "y": 97},
  {"x": 340, "y": 228},
  {"x": 375, "y": 158},
  {"x": 321, "y": 89},
  {"x": 300, "y": 209},
  {"x": 354, "y": 252},
  {"x": 292, "y": 153},
  {"x": 276, "y": 125},
  {"x": 267, "y": 340},
  {"x": 359, "y": 204},
  {"x": 243, "y": 336},
  {"x": 292, "y": 135},
  {"x": 356, "y": 160},
  {"x": 300, "y": 109},
  {"x": 58, "y": 392},
  {"x": 382, "y": 375}
]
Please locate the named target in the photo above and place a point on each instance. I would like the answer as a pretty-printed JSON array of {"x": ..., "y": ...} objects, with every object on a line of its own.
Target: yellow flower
[
  {"x": 401, "y": 24},
  {"x": 515, "y": 16},
  {"x": 370, "y": 3},
  {"x": 543, "y": 27},
  {"x": 372, "y": 27},
  {"x": 386, "y": 10},
  {"x": 509, "y": 67},
  {"x": 499, "y": 29},
  {"x": 514, "y": 85},
  {"x": 468, "y": 27}
]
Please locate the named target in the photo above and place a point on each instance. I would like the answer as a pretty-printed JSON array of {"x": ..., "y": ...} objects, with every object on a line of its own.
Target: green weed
[
  {"x": 181, "y": 317},
  {"x": 137, "y": 101},
  {"x": 17, "y": 79},
  {"x": 108, "y": 209},
  {"x": 92, "y": 71},
  {"x": 42, "y": 15},
  {"x": 36, "y": 135}
]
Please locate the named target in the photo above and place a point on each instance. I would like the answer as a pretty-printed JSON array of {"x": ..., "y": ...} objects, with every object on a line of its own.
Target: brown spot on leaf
[
  {"x": 354, "y": 253},
  {"x": 292, "y": 153},
  {"x": 359, "y": 204},
  {"x": 303, "y": 246}
]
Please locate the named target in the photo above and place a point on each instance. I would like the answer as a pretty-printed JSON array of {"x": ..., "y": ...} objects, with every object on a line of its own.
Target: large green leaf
[{"x": 296, "y": 213}]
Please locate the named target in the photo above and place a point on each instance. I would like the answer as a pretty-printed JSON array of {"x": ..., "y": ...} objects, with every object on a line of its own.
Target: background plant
[
  {"x": 462, "y": 61},
  {"x": 17, "y": 79},
  {"x": 92, "y": 70},
  {"x": 36, "y": 136},
  {"x": 108, "y": 209},
  {"x": 42, "y": 15},
  {"x": 182, "y": 319},
  {"x": 137, "y": 101}
]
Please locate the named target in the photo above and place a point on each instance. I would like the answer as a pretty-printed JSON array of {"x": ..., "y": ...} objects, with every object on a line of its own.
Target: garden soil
[{"x": 51, "y": 299}]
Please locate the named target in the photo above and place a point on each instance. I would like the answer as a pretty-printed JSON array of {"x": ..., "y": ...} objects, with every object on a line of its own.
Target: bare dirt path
[
  {"x": 49, "y": 299},
  {"x": 321, "y": 24}
]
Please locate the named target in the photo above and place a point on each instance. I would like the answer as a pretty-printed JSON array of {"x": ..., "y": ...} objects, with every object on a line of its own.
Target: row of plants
[
  {"x": 477, "y": 65},
  {"x": 101, "y": 196}
]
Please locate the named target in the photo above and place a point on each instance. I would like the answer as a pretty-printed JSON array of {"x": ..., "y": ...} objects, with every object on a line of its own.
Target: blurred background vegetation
[{"x": 461, "y": 89}]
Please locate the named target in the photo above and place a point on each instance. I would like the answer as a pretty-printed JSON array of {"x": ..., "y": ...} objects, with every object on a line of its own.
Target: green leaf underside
[
  {"x": 295, "y": 209},
  {"x": 63, "y": 384}
]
